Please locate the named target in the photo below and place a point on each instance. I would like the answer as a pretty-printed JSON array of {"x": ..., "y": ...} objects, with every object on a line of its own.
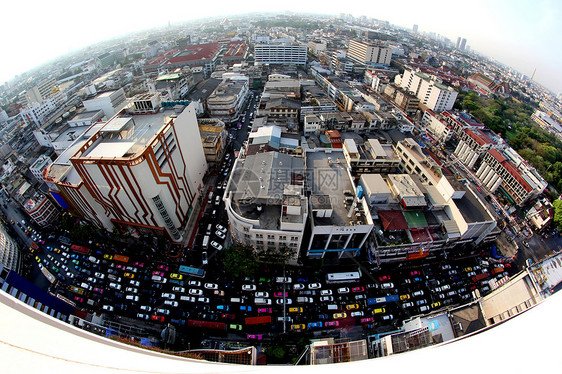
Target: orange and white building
[{"x": 142, "y": 169}]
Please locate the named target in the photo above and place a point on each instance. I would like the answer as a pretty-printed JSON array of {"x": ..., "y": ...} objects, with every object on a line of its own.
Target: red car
[
  {"x": 162, "y": 267},
  {"x": 256, "y": 337},
  {"x": 119, "y": 266},
  {"x": 415, "y": 272},
  {"x": 264, "y": 310},
  {"x": 367, "y": 320},
  {"x": 79, "y": 299},
  {"x": 332, "y": 323},
  {"x": 358, "y": 289},
  {"x": 159, "y": 273},
  {"x": 139, "y": 264},
  {"x": 157, "y": 318},
  {"x": 384, "y": 278},
  {"x": 280, "y": 294},
  {"x": 98, "y": 290},
  {"x": 228, "y": 316}
]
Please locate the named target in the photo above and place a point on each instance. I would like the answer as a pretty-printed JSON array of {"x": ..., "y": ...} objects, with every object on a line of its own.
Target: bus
[
  {"x": 480, "y": 277},
  {"x": 346, "y": 277},
  {"x": 77, "y": 290},
  {"x": 257, "y": 320},
  {"x": 120, "y": 258},
  {"x": 80, "y": 249},
  {"x": 187, "y": 270},
  {"x": 206, "y": 324},
  {"x": 206, "y": 241}
]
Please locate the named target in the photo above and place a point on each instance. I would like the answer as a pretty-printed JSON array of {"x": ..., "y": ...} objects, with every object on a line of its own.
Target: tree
[
  {"x": 275, "y": 256},
  {"x": 239, "y": 261},
  {"x": 558, "y": 213}
]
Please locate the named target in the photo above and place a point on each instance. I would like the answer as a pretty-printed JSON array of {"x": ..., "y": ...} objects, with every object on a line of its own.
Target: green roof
[
  {"x": 415, "y": 219},
  {"x": 168, "y": 77}
]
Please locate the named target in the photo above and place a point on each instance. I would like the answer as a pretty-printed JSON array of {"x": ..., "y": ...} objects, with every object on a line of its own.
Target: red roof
[
  {"x": 195, "y": 53},
  {"x": 393, "y": 220},
  {"x": 511, "y": 169},
  {"x": 235, "y": 49},
  {"x": 477, "y": 138},
  {"x": 497, "y": 155},
  {"x": 486, "y": 137},
  {"x": 161, "y": 58}
]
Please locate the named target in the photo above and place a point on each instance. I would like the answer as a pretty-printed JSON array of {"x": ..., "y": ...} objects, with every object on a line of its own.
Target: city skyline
[{"x": 500, "y": 30}]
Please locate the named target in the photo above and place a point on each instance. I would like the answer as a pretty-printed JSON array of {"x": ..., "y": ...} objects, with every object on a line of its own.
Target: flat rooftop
[
  {"x": 327, "y": 175},
  {"x": 127, "y": 135},
  {"x": 471, "y": 209}
]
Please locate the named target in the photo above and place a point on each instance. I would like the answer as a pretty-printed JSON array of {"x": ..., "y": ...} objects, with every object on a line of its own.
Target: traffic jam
[{"x": 261, "y": 307}]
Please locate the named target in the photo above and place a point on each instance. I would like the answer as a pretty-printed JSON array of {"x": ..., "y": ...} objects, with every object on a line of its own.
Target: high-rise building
[
  {"x": 143, "y": 169},
  {"x": 10, "y": 256},
  {"x": 457, "y": 46},
  {"x": 281, "y": 53},
  {"x": 415, "y": 28},
  {"x": 463, "y": 44},
  {"x": 433, "y": 94},
  {"x": 369, "y": 53}
]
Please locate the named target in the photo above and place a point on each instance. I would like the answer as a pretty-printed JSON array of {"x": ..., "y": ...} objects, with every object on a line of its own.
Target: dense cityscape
[{"x": 280, "y": 189}]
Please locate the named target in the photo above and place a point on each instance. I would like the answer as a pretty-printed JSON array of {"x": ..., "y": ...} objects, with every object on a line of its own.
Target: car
[
  {"x": 340, "y": 315},
  {"x": 138, "y": 264},
  {"x": 195, "y": 292},
  {"x": 312, "y": 325},
  {"x": 314, "y": 286},
  {"x": 98, "y": 290},
  {"x": 170, "y": 303},
  {"x": 296, "y": 309},
  {"x": 221, "y": 229},
  {"x": 352, "y": 306},
  {"x": 261, "y": 294},
  {"x": 408, "y": 304},
  {"x": 131, "y": 269},
  {"x": 446, "y": 267},
  {"x": 116, "y": 286},
  {"x": 404, "y": 297},
  {"x": 367, "y": 320},
  {"x": 254, "y": 337},
  {"x": 146, "y": 308},
  {"x": 216, "y": 245},
  {"x": 129, "y": 275},
  {"x": 245, "y": 308},
  {"x": 176, "y": 276},
  {"x": 387, "y": 285},
  {"x": 220, "y": 235},
  {"x": 358, "y": 289},
  {"x": 132, "y": 289},
  {"x": 421, "y": 302},
  {"x": 65, "y": 268},
  {"x": 248, "y": 287},
  {"x": 286, "y": 301},
  {"x": 379, "y": 311},
  {"x": 265, "y": 310},
  {"x": 132, "y": 298},
  {"x": 162, "y": 267},
  {"x": 358, "y": 313},
  {"x": 99, "y": 275},
  {"x": 194, "y": 283},
  {"x": 467, "y": 269},
  {"x": 158, "y": 273},
  {"x": 417, "y": 293},
  {"x": 332, "y": 324},
  {"x": 204, "y": 300},
  {"x": 204, "y": 258},
  {"x": 326, "y": 298},
  {"x": 109, "y": 308},
  {"x": 435, "y": 305},
  {"x": 143, "y": 316},
  {"x": 135, "y": 283},
  {"x": 388, "y": 317},
  {"x": 280, "y": 294},
  {"x": 167, "y": 295},
  {"x": 178, "y": 289},
  {"x": 108, "y": 257},
  {"x": 298, "y": 327},
  {"x": 79, "y": 299},
  {"x": 343, "y": 290},
  {"x": 211, "y": 286},
  {"x": 384, "y": 278},
  {"x": 157, "y": 318},
  {"x": 325, "y": 292},
  {"x": 298, "y": 286},
  {"x": 65, "y": 254}
]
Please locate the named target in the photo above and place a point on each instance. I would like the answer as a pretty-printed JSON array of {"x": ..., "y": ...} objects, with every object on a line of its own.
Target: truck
[
  {"x": 257, "y": 320},
  {"x": 497, "y": 270},
  {"x": 479, "y": 277},
  {"x": 121, "y": 258}
]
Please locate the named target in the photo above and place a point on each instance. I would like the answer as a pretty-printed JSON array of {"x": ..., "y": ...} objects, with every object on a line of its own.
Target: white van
[
  {"x": 210, "y": 198},
  {"x": 235, "y": 300},
  {"x": 262, "y": 301},
  {"x": 304, "y": 299},
  {"x": 159, "y": 279},
  {"x": 332, "y": 307}
]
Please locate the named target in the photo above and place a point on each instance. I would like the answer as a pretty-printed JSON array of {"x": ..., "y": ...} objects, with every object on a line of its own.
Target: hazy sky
[{"x": 524, "y": 34}]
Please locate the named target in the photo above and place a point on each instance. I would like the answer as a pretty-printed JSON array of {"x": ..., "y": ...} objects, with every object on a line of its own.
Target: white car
[
  {"x": 343, "y": 290},
  {"x": 221, "y": 228},
  {"x": 116, "y": 286},
  {"x": 178, "y": 289},
  {"x": 298, "y": 286},
  {"x": 220, "y": 235},
  {"x": 109, "y": 308},
  {"x": 248, "y": 287},
  {"x": 216, "y": 245},
  {"x": 326, "y": 298},
  {"x": 132, "y": 297},
  {"x": 314, "y": 286},
  {"x": 194, "y": 283},
  {"x": 358, "y": 313},
  {"x": 211, "y": 286},
  {"x": 204, "y": 300},
  {"x": 325, "y": 292},
  {"x": 195, "y": 292},
  {"x": 262, "y": 294},
  {"x": 167, "y": 295},
  {"x": 146, "y": 308},
  {"x": 171, "y": 303},
  {"x": 132, "y": 289},
  {"x": 287, "y": 301},
  {"x": 133, "y": 282}
]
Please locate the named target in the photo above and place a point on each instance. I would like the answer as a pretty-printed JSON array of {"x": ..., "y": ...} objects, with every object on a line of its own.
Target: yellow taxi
[
  {"x": 176, "y": 276},
  {"x": 340, "y": 315},
  {"x": 298, "y": 327},
  {"x": 129, "y": 275},
  {"x": 108, "y": 257},
  {"x": 295, "y": 309},
  {"x": 352, "y": 306},
  {"x": 379, "y": 310},
  {"x": 405, "y": 297}
]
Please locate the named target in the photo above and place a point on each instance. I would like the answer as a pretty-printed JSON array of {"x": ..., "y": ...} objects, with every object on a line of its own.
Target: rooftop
[
  {"x": 327, "y": 175},
  {"x": 195, "y": 53}
]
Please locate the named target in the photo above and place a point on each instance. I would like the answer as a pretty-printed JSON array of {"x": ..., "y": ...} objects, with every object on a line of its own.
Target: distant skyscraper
[
  {"x": 458, "y": 42},
  {"x": 463, "y": 44},
  {"x": 415, "y": 28}
]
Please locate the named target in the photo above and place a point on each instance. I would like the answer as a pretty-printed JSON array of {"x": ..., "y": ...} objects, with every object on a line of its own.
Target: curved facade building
[{"x": 9, "y": 254}]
